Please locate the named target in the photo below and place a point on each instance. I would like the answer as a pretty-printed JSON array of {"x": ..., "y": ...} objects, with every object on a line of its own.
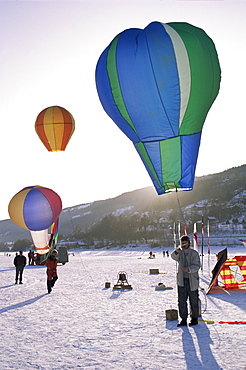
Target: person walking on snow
[
  {"x": 29, "y": 257},
  {"x": 20, "y": 263},
  {"x": 187, "y": 280},
  {"x": 51, "y": 264}
]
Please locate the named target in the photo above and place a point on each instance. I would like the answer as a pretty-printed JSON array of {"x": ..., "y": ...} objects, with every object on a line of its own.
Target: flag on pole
[
  {"x": 202, "y": 240},
  {"x": 174, "y": 235},
  {"x": 208, "y": 232},
  {"x": 195, "y": 238}
]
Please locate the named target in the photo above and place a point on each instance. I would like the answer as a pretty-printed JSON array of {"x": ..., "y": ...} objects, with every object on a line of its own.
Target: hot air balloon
[
  {"x": 36, "y": 208},
  {"x": 158, "y": 84},
  {"x": 55, "y": 126}
]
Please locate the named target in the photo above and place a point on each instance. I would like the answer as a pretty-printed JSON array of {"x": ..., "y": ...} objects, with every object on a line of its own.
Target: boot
[
  {"x": 182, "y": 323},
  {"x": 52, "y": 283},
  {"x": 49, "y": 286},
  {"x": 193, "y": 322}
]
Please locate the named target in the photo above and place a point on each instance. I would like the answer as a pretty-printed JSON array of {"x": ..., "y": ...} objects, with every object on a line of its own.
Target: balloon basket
[{"x": 122, "y": 282}]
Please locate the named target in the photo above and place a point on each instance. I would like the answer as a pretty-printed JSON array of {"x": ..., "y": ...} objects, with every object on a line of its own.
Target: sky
[{"x": 48, "y": 55}]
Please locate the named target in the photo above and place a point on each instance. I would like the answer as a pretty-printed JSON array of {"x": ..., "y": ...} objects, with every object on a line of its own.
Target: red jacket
[{"x": 51, "y": 264}]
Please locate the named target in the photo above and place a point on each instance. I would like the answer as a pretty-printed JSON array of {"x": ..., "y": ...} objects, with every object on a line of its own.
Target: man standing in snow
[
  {"x": 188, "y": 280},
  {"x": 20, "y": 263}
]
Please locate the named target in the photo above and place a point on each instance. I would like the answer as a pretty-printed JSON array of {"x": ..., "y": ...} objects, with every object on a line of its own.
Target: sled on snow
[{"x": 162, "y": 286}]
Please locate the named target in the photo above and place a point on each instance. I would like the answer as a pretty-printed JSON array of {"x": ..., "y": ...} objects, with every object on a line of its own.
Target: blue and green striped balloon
[{"x": 158, "y": 84}]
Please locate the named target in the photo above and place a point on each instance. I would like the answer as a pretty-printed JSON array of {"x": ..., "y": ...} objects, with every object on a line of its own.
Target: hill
[{"x": 220, "y": 197}]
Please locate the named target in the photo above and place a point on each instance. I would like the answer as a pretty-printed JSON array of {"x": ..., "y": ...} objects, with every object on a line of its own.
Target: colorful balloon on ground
[
  {"x": 158, "y": 84},
  {"x": 55, "y": 126},
  {"x": 35, "y": 208}
]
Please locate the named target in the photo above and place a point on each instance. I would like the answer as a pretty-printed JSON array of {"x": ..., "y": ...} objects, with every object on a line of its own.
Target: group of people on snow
[
  {"x": 187, "y": 277},
  {"x": 31, "y": 257},
  {"x": 51, "y": 264}
]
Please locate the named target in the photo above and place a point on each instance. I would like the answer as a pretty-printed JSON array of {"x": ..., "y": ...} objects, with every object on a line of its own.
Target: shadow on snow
[{"x": 22, "y": 304}]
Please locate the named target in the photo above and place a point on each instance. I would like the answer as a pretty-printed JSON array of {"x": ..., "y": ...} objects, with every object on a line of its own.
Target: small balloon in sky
[
  {"x": 158, "y": 84},
  {"x": 55, "y": 126},
  {"x": 35, "y": 208}
]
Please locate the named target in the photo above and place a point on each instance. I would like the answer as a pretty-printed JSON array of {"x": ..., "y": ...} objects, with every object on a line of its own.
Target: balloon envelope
[
  {"x": 41, "y": 241},
  {"x": 158, "y": 84},
  {"x": 35, "y": 208},
  {"x": 55, "y": 126}
]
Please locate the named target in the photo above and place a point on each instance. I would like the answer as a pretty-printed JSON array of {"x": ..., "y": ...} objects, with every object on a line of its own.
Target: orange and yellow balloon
[{"x": 55, "y": 126}]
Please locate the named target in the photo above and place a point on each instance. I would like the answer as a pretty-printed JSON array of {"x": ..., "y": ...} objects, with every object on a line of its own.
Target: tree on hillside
[
  {"x": 3, "y": 247},
  {"x": 21, "y": 245}
]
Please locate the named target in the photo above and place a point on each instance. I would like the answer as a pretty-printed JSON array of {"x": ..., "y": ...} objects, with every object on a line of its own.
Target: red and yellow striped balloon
[{"x": 55, "y": 126}]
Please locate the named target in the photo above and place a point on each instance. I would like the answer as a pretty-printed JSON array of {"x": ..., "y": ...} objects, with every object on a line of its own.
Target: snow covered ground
[{"x": 83, "y": 325}]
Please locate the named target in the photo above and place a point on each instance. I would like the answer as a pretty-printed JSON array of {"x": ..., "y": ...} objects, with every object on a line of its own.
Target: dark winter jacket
[{"x": 20, "y": 261}]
